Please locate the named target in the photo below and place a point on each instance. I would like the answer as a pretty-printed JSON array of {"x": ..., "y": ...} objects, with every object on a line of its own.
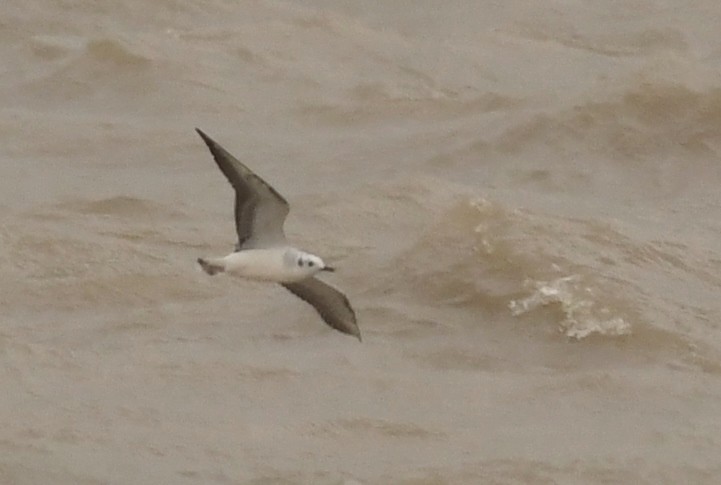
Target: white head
[{"x": 309, "y": 264}]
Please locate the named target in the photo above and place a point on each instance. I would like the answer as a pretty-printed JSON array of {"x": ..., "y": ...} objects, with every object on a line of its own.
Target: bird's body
[
  {"x": 277, "y": 265},
  {"x": 262, "y": 252}
]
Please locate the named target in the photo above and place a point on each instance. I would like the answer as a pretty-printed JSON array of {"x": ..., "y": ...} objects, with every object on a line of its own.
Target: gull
[{"x": 263, "y": 253}]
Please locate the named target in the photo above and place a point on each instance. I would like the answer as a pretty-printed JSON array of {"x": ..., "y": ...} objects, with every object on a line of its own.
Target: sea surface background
[{"x": 521, "y": 198}]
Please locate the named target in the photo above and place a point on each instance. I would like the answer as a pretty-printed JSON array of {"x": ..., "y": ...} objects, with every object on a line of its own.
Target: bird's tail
[{"x": 211, "y": 267}]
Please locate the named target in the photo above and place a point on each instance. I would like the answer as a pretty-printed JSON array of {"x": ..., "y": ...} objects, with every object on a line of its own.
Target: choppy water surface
[{"x": 522, "y": 200}]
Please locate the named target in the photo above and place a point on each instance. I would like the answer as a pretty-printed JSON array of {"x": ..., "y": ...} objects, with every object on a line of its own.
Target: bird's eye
[{"x": 310, "y": 263}]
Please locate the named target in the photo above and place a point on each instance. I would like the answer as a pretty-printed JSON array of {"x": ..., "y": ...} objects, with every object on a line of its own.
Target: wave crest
[
  {"x": 489, "y": 261},
  {"x": 583, "y": 314}
]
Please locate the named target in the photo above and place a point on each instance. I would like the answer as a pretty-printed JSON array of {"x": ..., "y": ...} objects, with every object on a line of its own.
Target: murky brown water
[{"x": 522, "y": 199}]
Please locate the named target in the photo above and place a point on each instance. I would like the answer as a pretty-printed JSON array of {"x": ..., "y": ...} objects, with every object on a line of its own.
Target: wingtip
[
  {"x": 354, "y": 330},
  {"x": 202, "y": 134}
]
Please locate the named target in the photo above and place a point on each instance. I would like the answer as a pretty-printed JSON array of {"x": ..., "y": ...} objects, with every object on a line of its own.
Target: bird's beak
[{"x": 328, "y": 268}]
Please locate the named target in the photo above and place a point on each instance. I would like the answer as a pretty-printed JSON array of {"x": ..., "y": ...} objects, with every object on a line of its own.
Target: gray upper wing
[
  {"x": 260, "y": 211},
  {"x": 331, "y": 304}
]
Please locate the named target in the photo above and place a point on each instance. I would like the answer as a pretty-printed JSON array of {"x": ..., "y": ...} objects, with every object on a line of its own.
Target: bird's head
[{"x": 311, "y": 263}]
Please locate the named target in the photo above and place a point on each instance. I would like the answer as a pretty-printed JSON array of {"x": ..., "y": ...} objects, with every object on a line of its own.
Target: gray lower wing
[
  {"x": 260, "y": 211},
  {"x": 332, "y": 305}
]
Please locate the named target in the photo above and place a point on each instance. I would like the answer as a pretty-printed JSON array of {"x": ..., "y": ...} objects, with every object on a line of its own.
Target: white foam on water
[{"x": 583, "y": 317}]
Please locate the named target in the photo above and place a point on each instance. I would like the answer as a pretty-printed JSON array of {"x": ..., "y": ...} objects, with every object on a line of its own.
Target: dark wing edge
[
  {"x": 235, "y": 171},
  {"x": 332, "y": 305},
  {"x": 248, "y": 187}
]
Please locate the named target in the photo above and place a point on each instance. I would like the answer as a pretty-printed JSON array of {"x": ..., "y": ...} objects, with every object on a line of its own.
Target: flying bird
[{"x": 263, "y": 252}]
